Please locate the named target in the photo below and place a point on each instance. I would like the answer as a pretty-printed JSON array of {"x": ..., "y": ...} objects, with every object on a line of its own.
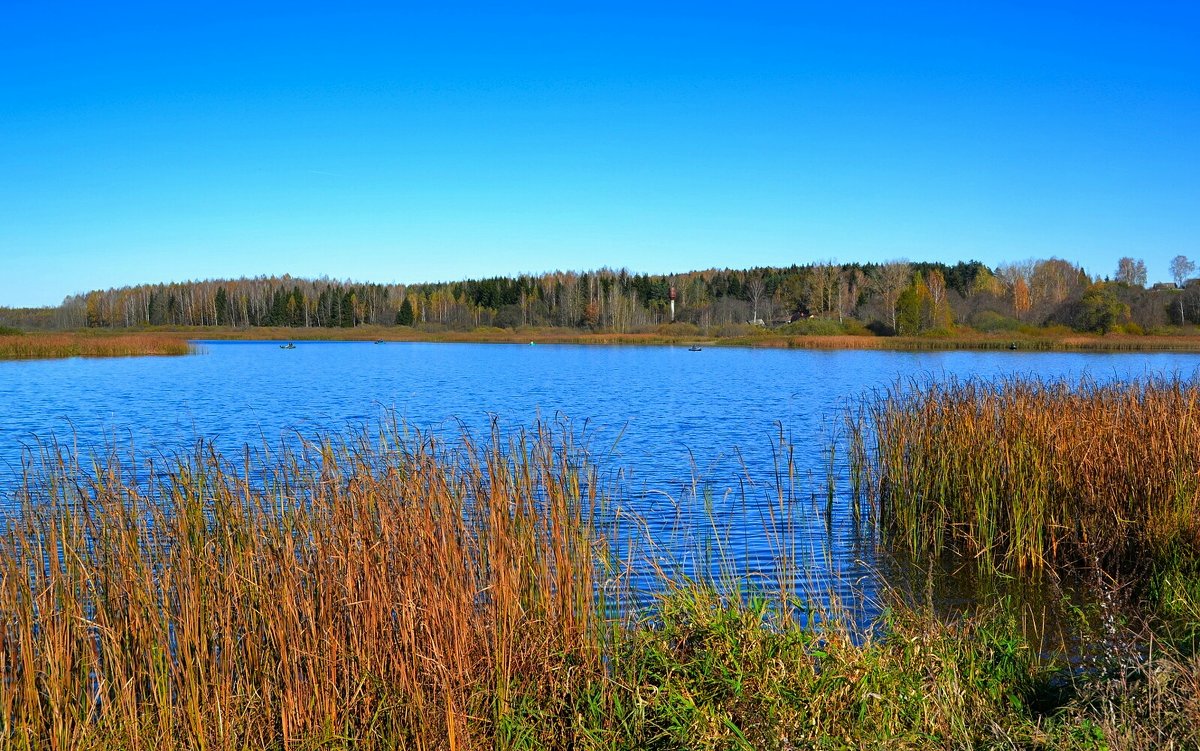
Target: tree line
[{"x": 897, "y": 297}]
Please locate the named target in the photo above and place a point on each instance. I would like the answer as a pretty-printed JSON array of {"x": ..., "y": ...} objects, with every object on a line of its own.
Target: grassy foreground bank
[{"x": 395, "y": 592}]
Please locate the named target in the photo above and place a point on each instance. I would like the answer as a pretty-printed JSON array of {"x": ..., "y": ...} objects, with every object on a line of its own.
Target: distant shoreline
[
  {"x": 124, "y": 342},
  {"x": 968, "y": 340}
]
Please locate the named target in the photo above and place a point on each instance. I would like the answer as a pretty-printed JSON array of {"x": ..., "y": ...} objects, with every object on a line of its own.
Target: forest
[{"x": 893, "y": 298}]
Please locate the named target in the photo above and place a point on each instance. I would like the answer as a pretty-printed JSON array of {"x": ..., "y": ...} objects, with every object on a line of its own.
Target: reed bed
[
  {"x": 41, "y": 346},
  {"x": 1029, "y": 475},
  {"x": 391, "y": 594},
  {"x": 394, "y": 591}
]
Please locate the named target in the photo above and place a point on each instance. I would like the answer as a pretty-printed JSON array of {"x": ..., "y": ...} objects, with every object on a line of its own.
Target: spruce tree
[{"x": 404, "y": 316}]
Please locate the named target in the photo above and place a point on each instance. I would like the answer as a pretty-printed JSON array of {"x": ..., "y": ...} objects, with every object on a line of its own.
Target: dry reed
[
  {"x": 396, "y": 592},
  {"x": 46, "y": 346},
  {"x": 387, "y": 593},
  {"x": 1029, "y": 474}
]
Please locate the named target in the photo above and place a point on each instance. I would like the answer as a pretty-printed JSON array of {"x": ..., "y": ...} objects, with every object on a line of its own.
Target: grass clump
[
  {"x": 1027, "y": 475},
  {"x": 713, "y": 671},
  {"x": 41, "y": 346},
  {"x": 812, "y": 327}
]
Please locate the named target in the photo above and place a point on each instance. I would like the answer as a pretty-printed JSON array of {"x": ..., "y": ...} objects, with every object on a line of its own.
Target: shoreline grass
[
  {"x": 391, "y": 594},
  {"x": 393, "y": 591},
  {"x": 764, "y": 338},
  {"x": 1024, "y": 475},
  {"x": 44, "y": 346},
  {"x": 169, "y": 340}
]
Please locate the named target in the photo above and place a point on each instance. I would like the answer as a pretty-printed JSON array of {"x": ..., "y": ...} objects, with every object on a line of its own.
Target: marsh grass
[
  {"x": 396, "y": 591},
  {"x": 1021, "y": 474},
  {"x": 377, "y": 592},
  {"x": 38, "y": 346}
]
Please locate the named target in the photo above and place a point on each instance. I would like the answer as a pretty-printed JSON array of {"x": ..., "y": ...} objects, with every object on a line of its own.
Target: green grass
[{"x": 707, "y": 671}]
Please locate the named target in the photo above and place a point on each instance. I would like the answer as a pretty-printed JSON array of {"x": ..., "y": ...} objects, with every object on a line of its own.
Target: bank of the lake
[
  {"x": 158, "y": 340},
  {"x": 687, "y": 335}
]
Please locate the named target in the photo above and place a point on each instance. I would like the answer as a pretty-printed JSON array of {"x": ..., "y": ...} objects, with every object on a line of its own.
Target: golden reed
[
  {"x": 1029, "y": 474},
  {"x": 386, "y": 590}
]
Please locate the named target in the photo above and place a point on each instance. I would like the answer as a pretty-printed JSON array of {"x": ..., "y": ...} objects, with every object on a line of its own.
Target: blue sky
[{"x": 147, "y": 143}]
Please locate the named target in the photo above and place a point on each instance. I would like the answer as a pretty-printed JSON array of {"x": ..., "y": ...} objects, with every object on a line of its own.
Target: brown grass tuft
[{"x": 46, "y": 346}]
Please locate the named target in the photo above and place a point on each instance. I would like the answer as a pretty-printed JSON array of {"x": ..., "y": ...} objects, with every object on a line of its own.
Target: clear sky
[{"x": 172, "y": 141}]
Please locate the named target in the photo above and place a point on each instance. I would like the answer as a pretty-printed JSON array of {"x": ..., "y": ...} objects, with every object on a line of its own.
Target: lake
[{"x": 690, "y": 441}]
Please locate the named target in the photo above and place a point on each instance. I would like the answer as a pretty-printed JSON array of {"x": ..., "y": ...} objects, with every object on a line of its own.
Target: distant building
[{"x": 1165, "y": 287}]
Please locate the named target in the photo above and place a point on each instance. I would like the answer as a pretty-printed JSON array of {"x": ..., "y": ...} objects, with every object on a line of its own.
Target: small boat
[
  {"x": 1012, "y": 345},
  {"x": 289, "y": 345},
  {"x": 379, "y": 341},
  {"x": 694, "y": 348}
]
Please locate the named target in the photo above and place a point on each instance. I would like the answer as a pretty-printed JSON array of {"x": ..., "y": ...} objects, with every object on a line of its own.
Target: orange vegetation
[{"x": 45, "y": 346}]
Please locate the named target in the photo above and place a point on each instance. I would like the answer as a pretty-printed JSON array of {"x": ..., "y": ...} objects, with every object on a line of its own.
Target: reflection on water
[
  {"x": 716, "y": 460},
  {"x": 1058, "y": 612}
]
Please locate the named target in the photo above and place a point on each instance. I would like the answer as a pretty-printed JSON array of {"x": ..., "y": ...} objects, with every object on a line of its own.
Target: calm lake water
[{"x": 675, "y": 433}]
